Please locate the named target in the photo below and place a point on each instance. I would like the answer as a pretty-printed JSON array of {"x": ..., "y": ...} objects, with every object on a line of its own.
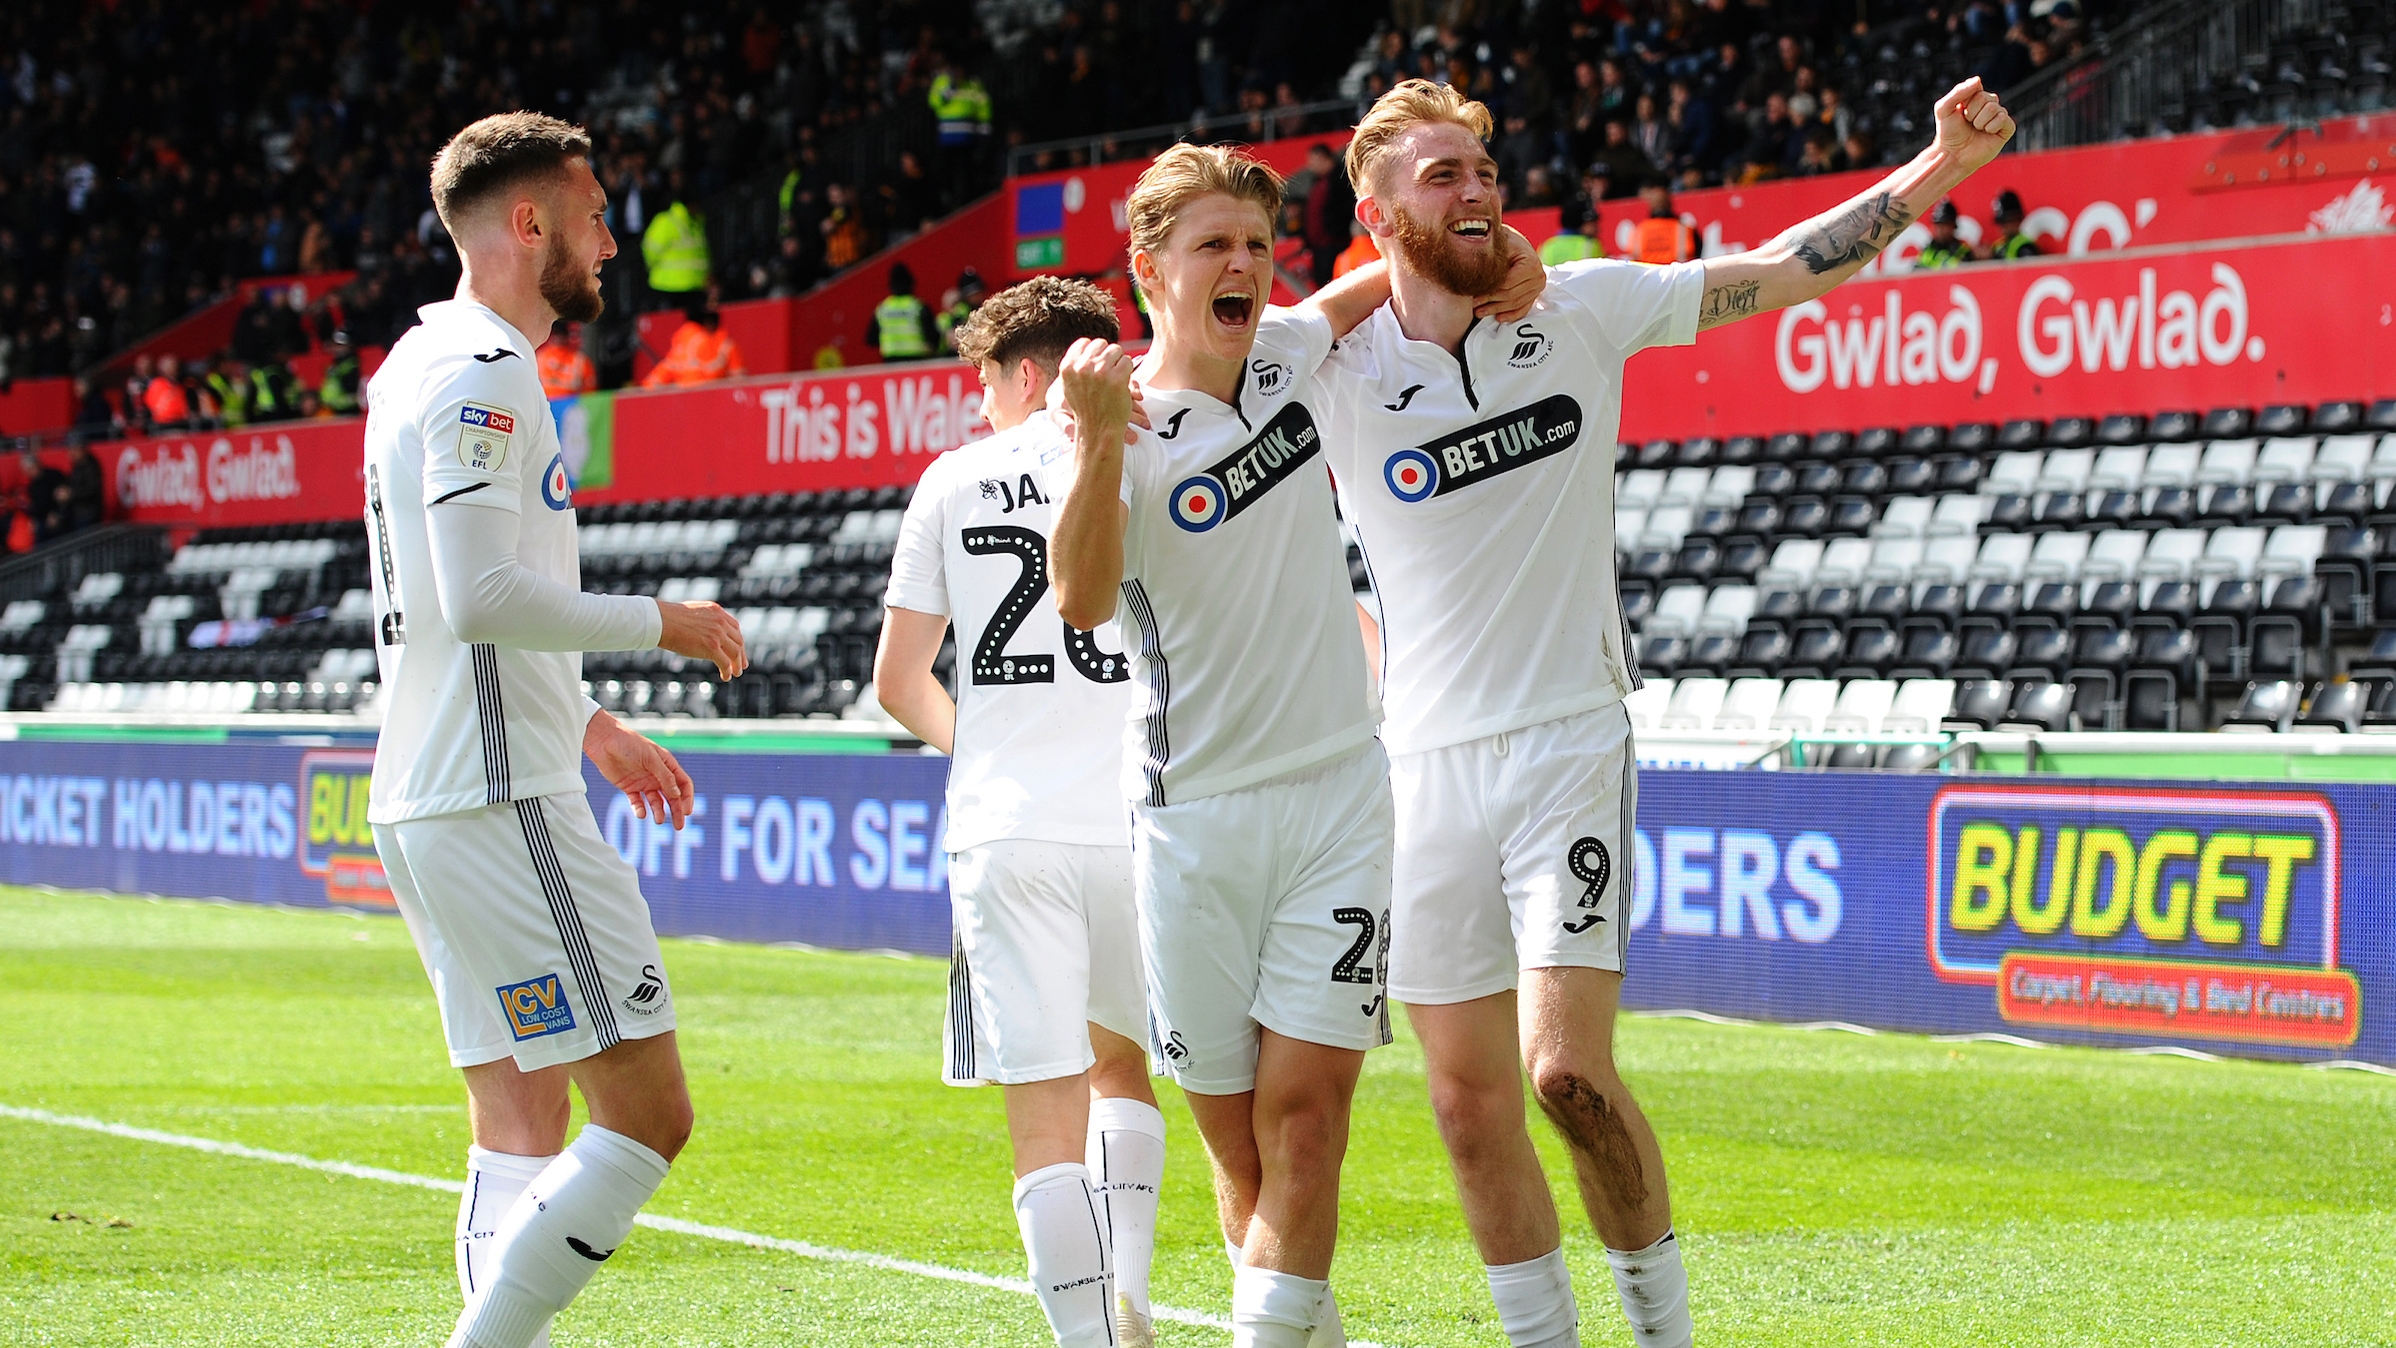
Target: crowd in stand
[{"x": 154, "y": 156}]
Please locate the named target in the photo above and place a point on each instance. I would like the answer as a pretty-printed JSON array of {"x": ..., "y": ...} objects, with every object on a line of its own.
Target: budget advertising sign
[{"x": 2252, "y": 920}]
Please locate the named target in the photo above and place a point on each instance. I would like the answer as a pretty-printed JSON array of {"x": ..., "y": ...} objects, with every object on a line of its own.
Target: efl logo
[
  {"x": 337, "y": 842},
  {"x": 2190, "y": 913},
  {"x": 537, "y": 1007}
]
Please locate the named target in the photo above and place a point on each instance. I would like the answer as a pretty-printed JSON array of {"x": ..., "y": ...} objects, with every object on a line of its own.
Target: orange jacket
[
  {"x": 166, "y": 400},
  {"x": 697, "y": 356},
  {"x": 1666, "y": 240},
  {"x": 1360, "y": 250},
  {"x": 565, "y": 371}
]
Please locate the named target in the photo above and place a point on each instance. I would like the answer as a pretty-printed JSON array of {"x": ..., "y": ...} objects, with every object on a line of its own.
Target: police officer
[
  {"x": 338, "y": 392},
  {"x": 901, "y": 327},
  {"x": 1575, "y": 239},
  {"x": 2011, "y": 242},
  {"x": 970, "y": 293},
  {"x": 1944, "y": 249},
  {"x": 674, "y": 248},
  {"x": 961, "y": 113}
]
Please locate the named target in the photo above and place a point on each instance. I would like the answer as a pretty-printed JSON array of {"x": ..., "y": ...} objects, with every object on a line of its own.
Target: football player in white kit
[
  {"x": 532, "y": 928},
  {"x": 1044, "y": 988},
  {"x": 1475, "y": 461},
  {"x": 1261, "y": 822}
]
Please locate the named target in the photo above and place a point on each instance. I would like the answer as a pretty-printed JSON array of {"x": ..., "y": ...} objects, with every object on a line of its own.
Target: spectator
[
  {"x": 675, "y": 248},
  {"x": 1576, "y": 239},
  {"x": 961, "y": 109},
  {"x": 1818, "y": 155},
  {"x": 225, "y": 391},
  {"x": 1944, "y": 249},
  {"x": 912, "y": 200},
  {"x": 1773, "y": 145},
  {"x": 167, "y": 405},
  {"x": 136, "y": 392},
  {"x": 1330, "y": 209},
  {"x": 1361, "y": 250},
  {"x": 95, "y": 418},
  {"x": 1692, "y": 123},
  {"x": 701, "y": 351},
  {"x": 1663, "y": 236},
  {"x": 565, "y": 371},
  {"x": 901, "y": 326},
  {"x": 1858, "y": 152},
  {"x": 274, "y": 394},
  {"x": 963, "y": 298},
  {"x": 344, "y": 379},
  {"x": 1651, "y": 133},
  {"x": 845, "y": 240},
  {"x": 1624, "y": 166},
  {"x": 86, "y": 498},
  {"x": 47, "y": 492},
  {"x": 2011, "y": 243},
  {"x": 1519, "y": 150}
]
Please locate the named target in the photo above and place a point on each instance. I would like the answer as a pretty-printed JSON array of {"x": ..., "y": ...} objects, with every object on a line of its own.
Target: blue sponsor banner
[{"x": 2227, "y": 917}]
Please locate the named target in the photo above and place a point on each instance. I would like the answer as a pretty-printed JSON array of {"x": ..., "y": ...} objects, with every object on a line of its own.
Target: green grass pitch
[{"x": 1831, "y": 1189}]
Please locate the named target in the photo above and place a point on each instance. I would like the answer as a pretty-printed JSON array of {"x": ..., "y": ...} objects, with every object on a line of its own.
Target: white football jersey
[
  {"x": 1235, "y": 582},
  {"x": 1040, "y": 707},
  {"x": 456, "y": 415},
  {"x": 1481, "y": 489}
]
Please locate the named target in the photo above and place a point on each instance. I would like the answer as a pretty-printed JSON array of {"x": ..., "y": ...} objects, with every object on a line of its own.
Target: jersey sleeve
[
  {"x": 1636, "y": 305},
  {"x": 1301, "y": 337},
  {"x": 477, "y": 433},
  {"x": 919, "y": 567}
]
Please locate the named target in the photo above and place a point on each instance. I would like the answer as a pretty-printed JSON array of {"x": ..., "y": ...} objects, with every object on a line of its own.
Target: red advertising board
[
  {"x": 274, "y": 474},
  {"x": 2297, "y": 320},
  {"x": 2128, "y": 194}
]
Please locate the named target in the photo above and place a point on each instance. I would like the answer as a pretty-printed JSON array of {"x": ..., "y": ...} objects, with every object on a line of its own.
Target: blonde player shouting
[
  {"x": 1044, "y": 988},
  {"x": 1475, "y": 461},
  {"x": 1261, "y": 824},
  {"x": 532, "y": 928}
]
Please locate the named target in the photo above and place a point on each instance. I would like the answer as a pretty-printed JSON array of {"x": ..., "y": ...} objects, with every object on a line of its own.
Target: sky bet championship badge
[{"x": 483, "y": 435}]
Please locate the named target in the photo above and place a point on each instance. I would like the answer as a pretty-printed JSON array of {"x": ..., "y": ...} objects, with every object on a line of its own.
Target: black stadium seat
[
  {"x": 2283, "y": 419},
  {"x": 1813, "y": 654},
  {"x": 1979, "y": 704},
  {"x": 2337, "y": 418},
  {"x": 2041, "y": 651},
  {"x": 1697, "y": 452},
  {"x": 1926, "y": 653},
  {"x": 1762, "y": 652},
  {"x": 1987, "y": 653},
  {"x": 1869, "y": 653},
  {"x": 2121, "y": 428},
  {"x": 2022, "y": 433},
  {"x": 2226, "y": 423},
  {"x": 1742, "y": 449},
  {"x": 2338, "y": 706},
  {"x": 2266, "y": 705},
  {"x": 2039, "y": 705},
  {"x": 2071, "y": 432},
  {"x": 1974, "y": 437},
  {"x": 2173, "y": 427},
  {"x": 1923, "y": 439}
]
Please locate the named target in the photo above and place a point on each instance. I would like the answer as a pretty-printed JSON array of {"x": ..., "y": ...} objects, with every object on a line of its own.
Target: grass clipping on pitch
[{"x": 1829, "y": 1189}]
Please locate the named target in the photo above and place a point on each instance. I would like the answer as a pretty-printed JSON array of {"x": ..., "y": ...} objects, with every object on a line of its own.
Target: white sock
[
  {"x": 1127, "y": 1167},
  {"x": 571, "y": 1218},
  {"x": 1066, "y": 1242},
  {"x": 494, "y": 1181},
  {"x": 1273, "y": 1310},
  {"x": 1328, "y": 1331},
  {"x": 1534, "y": 1302},
  {"x": 1655, "y": 1293}
]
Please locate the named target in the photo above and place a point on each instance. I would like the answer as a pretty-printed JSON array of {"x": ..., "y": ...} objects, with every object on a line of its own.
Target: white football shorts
[
  {"x": 1514, "y": 852},
  {"x": 1266, "y": 906},
  {"x": 1046, "y": 942},
  {"x": 532, "y": 929}
]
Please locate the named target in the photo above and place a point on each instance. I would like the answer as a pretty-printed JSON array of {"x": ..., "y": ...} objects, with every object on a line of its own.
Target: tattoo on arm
[
  {"x": 1852, "y": 234},
  {"x": 1728, "y": 303}
]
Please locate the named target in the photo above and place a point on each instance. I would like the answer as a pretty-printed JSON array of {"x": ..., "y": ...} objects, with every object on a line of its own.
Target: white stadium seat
[
  {"x": 1694, "y": 702},
  {"x": 1803, "y": 704},
  {"x": 2057, "y": 556},
  {"x": 2115, "y": 555},
  {"x": 1920, "y": 706},
  {"x": 1646, "y": 702},
  {"x": 1750, "y": 704},
  {"x": 2171, "y": 554},
  {"x": 1906, "y": 517},
  {"x": 2015, "y": 473},
  {"x": 1863, "y": 704},
  {"x": 2226, "y": 463},
  {"x": 2170, "y": 466},
  {"x": 2120, "y": 468}
]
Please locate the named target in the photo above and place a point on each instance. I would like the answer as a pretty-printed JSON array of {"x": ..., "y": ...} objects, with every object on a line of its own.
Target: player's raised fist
[
  {"x": 1096, "y": 378},
  {"x": 1973, "y": 125},
  {"x": 702, "y": 631}
]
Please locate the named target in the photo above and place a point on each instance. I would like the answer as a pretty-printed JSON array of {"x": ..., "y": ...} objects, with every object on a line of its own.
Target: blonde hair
[
  {"x": 1400, "y": 110},
  {"x": 1185, "y": 173},
  {"x": 498, "y": 154}
]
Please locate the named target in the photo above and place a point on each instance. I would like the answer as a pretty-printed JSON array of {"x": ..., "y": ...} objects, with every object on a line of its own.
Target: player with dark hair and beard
[
  {"x": 1475, "y": 460},
  {"x": 531, "y": 927}
]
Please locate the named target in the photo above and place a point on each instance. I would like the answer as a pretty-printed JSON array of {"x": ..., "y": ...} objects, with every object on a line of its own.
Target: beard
[
  {"x": 569, "y": 291},
  {"x": 1433, "y": 252}
]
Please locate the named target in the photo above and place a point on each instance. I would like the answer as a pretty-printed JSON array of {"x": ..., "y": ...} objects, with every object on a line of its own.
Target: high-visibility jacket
[
  {"x": 1935, "y": 255},
  {"x": 338, "y": 391},
  {"x": 1360, "y": 251},
  {"x": 1572, "y": 246},
  {"x": 2020, "y": 245},
  {"x": 675, "y": 247},
  {"x": 961, "y": 107},
  {"x": 564, "y": 370},
  {"x": 232, "y": 398},
  {"x": 270, "y": 392},
  {"x": 951, "y": 319},
  {"x": 1664, "y": 239},
  {"x": 697, "y": 356},
  {"x": 898, "y": 328}
]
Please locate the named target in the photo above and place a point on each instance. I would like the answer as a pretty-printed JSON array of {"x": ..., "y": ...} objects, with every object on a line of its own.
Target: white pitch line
[{"x": 805, "y": 1250}]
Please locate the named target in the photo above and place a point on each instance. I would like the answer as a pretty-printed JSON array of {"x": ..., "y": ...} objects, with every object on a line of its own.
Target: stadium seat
[
  {"x": 1683, "y": 487},
  {"x": 2048, "y": 603},
  {"x": 1645, "y": 703},
  {"x": 2334, "y": 418},
  {"x": 1639, "y": 488},
  {"x": 2121, "y": 468},
  {"x": 1894, "y": 560},
  {"x": 1987, "y": 653},
  {"x": 1727, "y": 609},
  {"x": 2224, "y": 422},
  {"x": 1868, "y": 653},
  {"x": 2230, "y": 553},
  {"x": 2003, "y": 557},
  {"x": 2171, "y": 466},
  {"x": 1678, "y": 609},
  {"x": 1749, "y": 705},
  {"x": 2040, "y": 652},
  {"x": 1803, "y": 704},
  {"x": 1629, "y": 522},
  {"x": 1919, "y": 706},
  {"x": 1862, "y": 708},
  {"x": 2056, "y": 557},
  {"x": 1925, "y": 653},
  {"x": 2220, "y": 625},
  {"x": 1906, "y": 517},
  {"x": 1660, "y": 656},
  {"x": 2266, "y": 707},
  {"x": 2171, "y": 554},
  {"x": 1743, "y": 449},
  {"x": 1792, "y": 565},
  {"x": 2014, "y": 473},
  {"x": 2041, "y": 706},
  {"x": 1693, "y": 705},
  {"x": 2121, "y": 428},
  {"x": 1729, "y": 486},
  {"x": 1813, "y": 653},
  {"x": 2336, "y": 708},
  {"x": 1948, "y": 559},
  {"x": 1843, "y": 562},
  {"x": 1702, "y": 451},
  {"x": 2174, "y": 426},
  {"x": 2022, "y": 433},
  {"x": 2227, "y": 463},
  {"x": 2113, "y": 555},
  {"x": 1762, "y": 652},
  {"x": 2282, "y": 419},
  {"x": 2065, "y": 470},
  {"x": 1979, "y": 704}
]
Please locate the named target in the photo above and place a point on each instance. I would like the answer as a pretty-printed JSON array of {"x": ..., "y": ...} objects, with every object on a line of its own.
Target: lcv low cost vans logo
[{"x": 2208, "y": 914}]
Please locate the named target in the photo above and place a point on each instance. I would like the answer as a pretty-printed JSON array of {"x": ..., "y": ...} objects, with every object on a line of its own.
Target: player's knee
[
  {"x": 1572, "y": 1091},
  {"x": 1469, "y": 1111},
  {"x": 1308, "y": 1139}
]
